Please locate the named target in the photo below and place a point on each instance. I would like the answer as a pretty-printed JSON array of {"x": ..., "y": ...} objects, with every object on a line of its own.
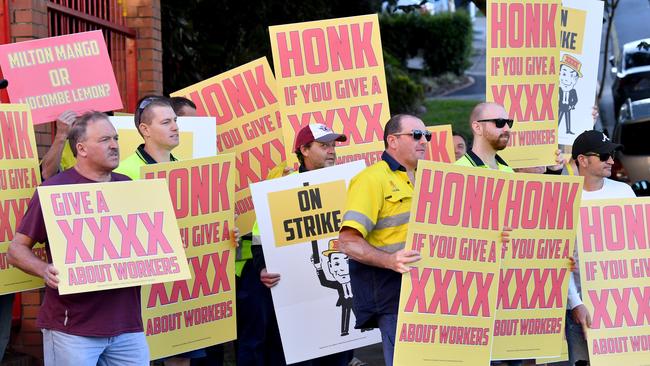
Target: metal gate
[{"x": 109, "y": 16}]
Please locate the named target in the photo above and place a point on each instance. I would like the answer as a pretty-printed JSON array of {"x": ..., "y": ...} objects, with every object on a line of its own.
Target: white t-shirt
[{"x": 610, "y": 189}]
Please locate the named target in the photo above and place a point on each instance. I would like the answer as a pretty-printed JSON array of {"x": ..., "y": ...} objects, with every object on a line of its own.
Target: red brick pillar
[
  {"x": 144, "y": 17},
  {"x": 30, "y": 339},
  {"x": 29, "y": 21}
]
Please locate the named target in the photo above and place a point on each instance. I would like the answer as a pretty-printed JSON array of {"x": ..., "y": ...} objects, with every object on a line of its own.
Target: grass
[{"x": 449, "y": 111}]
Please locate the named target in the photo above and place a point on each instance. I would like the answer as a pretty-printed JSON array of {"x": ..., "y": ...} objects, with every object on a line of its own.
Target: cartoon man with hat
[
  {"x": 568, "y": 97},
  {"x": 337, "y": 265}
]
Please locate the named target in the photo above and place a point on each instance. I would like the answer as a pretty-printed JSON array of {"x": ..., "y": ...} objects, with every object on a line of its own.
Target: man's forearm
[
  {"x": 52, "y": 159},
  {"x": 357, "y": 248},
  {"x": 22, "y": 257}
]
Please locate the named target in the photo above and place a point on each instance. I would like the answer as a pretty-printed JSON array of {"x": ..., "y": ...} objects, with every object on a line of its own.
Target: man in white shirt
[{"x": 593, "y": 153}]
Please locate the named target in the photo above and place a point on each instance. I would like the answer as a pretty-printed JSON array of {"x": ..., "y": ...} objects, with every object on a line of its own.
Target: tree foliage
[{"x": 203, "y": 38}]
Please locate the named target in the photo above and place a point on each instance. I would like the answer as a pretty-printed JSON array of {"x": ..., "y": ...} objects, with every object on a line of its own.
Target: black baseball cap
[{"x": 593, "y": 141}]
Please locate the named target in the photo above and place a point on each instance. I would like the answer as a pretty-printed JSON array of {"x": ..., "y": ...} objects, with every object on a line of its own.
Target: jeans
[
  {"x": 388, "y": 328},
  {"x": 66, "y": 349},
  {"x": 576, "y": 340}
]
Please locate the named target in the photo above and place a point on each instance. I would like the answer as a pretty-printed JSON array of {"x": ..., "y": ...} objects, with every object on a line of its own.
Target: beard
[{"x": 501, "y": 142}]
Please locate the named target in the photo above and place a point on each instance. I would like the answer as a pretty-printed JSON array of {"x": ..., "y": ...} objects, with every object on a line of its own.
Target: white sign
[
  {"x": 299, "y": 217},
  {"x": 580, "y": 33}
]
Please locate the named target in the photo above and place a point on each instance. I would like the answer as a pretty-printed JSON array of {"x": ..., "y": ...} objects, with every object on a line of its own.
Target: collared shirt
[
  {"x": 378, "y": 206},
  {"x": 131, "y": 165},
  {"x": 471, "y": 159}
]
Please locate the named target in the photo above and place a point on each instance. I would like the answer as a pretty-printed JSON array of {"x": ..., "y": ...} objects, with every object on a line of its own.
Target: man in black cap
[{"x": 593, "y": 153}]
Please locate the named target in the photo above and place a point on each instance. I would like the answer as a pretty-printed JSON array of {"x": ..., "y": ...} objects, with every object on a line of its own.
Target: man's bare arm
[
  {"x": 20, "y": 255},
  {"x": 52, "y": 159},
  {"x": 356, "y": 247}
]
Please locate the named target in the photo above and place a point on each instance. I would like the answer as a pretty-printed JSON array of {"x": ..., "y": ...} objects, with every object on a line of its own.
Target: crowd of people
[{"x": 105, "y": 327}]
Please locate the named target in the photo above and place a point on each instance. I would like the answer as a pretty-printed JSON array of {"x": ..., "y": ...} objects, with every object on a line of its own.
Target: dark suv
[
  {"x": 631, "y": 73},
  {"x": 632, "y": 130}
]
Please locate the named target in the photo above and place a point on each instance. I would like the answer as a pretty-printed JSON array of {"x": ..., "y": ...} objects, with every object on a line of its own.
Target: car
[
  {"x": 632, "y": 129},
  {"x": 631, "y": 73}
]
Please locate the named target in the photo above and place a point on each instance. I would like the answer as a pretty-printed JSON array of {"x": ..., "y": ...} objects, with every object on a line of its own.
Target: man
[
  {"x": 460, "y": 145},
  {"x": 259, "y": 342},
  {"x": 373, "y": 231},
  {"x": 490, "y": 127},
  {"x": 155, "y": 120},
  {"x": 100, "y": 327},
  {"x": 593, "y": 153},
  {"x": 339, "y": 268},
  {"x": 183, "y": 106},
  {"x": 6, "y": 304}
]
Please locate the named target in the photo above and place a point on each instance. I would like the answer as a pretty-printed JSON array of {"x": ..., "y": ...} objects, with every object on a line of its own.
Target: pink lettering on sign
[
  {"x": 437, "y": 149},
  {"x": 614, "y": 228},
  {"x": 516, "y": 25},
  {"x": 101, "y": 243},
  {"x": 527, "y": 109},
  {"x": 539, "y": 297},
  {"x": 198, "y": 190},
  {"x": 240, "y": 94},
  {"x": 620, "y": 315},
  {"x": 439, "y": 301},
  {"x": 14, "y": 136},
  {"x": 204, "y": 283},
  {"x": 351, "y": 118},
  {"x": 306, "y": 52}
]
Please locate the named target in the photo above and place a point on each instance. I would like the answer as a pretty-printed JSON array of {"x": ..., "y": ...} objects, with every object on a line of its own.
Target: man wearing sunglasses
[
  {"x": 593, "y": 153},
  {"x": 373, "y": 232},
  {"x": 490, "y": 126}
]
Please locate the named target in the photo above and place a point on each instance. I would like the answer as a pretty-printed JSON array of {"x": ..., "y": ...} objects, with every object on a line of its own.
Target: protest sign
[
  {"x": 197, "y": 135},
  {"x": 448, "y": 299},
  {"x": 441, "y": 146},
  {"x": 615, "y": 278},
  {"x": 105, "y": 235},
  {"x": 299, "y": 218},
  {"x": 246, "y": 109},
  {"x": 52, "y": 75},
  {"x": 581, "y": 24},
  {"x": 542, "y": 212},
  {"x": 19, "y": 177},
  {"x": 467, "y": 208},
  {"x": 522, "y": 64},
  {"x": 189, "y": 314},
  {"x": 331, "y": 72}
]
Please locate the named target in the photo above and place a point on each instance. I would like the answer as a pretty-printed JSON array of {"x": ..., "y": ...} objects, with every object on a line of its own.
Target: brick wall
[{"x": 144, "y": 17}]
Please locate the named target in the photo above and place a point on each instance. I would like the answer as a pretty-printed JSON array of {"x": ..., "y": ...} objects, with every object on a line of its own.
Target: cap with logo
[
  {"x": 316, "y": 132},
  {"x": 593, "y": 141}
]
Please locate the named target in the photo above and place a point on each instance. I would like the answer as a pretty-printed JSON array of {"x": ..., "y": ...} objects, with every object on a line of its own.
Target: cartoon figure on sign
[
  {"x": 568, "y": 97},
  {"x": 337, "y": 266}
]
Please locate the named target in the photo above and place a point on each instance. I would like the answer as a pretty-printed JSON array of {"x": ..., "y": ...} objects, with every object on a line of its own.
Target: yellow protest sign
[
  {"x": 615, "y": 277},
  {"x": 305, "y": 214},
  {"x": 105, "y": 235},
  {"x": 522, "y": 64},
  {"x": 331, "y": 72},
  {"x": 19, "y": 176},
  {"x": 248, "y": 121},
  {"x": 542, "y": 212},
  {"x": 189, "y": 314},
  {"x": 441, "y": 146},
  {"x": 448, "y": 299}
]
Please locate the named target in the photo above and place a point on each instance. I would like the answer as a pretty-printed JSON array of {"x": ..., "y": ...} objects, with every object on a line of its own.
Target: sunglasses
[
  {"x": 601, "y": 156},
  {"x": 143, "y": 105},
  {"x": 499, "y": 122},
  {"x": 417, "y": 134}
]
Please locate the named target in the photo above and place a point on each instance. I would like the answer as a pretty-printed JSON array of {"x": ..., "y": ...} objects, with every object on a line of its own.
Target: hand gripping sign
[{"x": 104, "y": 235}]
